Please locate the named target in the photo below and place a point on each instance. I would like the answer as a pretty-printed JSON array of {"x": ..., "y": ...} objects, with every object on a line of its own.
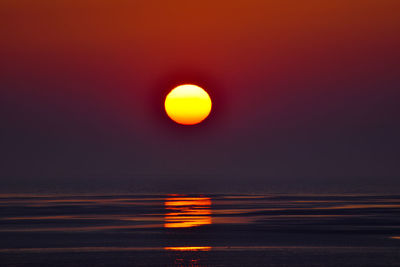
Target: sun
[{"x": 188, "y": 104}]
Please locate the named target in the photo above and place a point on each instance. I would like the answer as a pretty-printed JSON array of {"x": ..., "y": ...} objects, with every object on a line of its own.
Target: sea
[{"x": 200, "y": 230}]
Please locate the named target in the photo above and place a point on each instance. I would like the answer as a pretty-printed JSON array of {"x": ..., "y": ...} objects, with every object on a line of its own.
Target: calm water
[{"x": 200, "y": 230}]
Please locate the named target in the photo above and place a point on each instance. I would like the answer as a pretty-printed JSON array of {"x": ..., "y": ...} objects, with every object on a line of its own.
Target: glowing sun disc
[{"x": 188, "y": 104}]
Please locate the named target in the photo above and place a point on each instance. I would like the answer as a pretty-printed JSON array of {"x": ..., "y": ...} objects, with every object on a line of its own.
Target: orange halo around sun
[{"x": 188, "y": 104}]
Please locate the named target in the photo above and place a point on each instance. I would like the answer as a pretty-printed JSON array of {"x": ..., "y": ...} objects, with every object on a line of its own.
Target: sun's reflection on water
[
  {"x": 188, "y": 248},
  {"x": 185, "y": 211}
]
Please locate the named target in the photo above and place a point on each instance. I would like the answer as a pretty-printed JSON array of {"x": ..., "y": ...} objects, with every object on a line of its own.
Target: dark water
[{"x": 197, "y": 230}]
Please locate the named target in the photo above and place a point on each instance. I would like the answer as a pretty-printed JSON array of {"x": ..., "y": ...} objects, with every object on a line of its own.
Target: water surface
[{"x": 200, "y": 230}]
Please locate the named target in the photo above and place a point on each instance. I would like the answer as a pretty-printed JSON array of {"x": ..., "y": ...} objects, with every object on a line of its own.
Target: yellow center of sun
[{"x": 188, "y": 104}]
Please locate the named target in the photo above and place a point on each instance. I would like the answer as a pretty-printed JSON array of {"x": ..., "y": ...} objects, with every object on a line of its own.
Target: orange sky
[{"x": 295, "y": 83}]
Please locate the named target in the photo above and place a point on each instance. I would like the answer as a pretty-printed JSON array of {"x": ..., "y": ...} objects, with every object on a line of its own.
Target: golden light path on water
[
  {"x": 183, "y": 212},
  {"x": 188, "y": 248}
]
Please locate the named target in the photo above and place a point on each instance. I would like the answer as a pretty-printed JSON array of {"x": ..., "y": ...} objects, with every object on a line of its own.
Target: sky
[{"x": 305, "y": 96}]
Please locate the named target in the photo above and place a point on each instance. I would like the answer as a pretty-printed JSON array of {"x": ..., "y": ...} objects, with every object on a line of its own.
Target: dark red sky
[{"x": 305, "y": 93}]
